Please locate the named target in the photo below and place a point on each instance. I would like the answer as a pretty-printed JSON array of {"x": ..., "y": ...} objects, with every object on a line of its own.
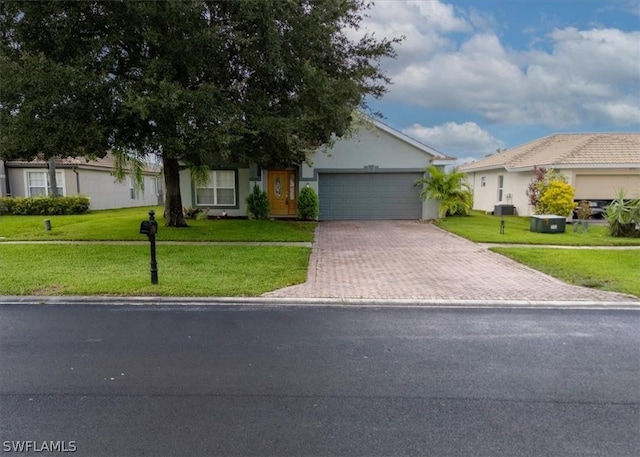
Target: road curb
[{"x": 319, "y": 302}]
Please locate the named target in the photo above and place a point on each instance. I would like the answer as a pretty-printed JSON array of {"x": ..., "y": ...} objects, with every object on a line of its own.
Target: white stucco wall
[
  {"x": 590, "y": 184},
  {"x": 98, "y": 185},
  {"x": 485, "y": 198},
  {"x": 368, "y": 147},
  {"x": 106, "y": 193}
]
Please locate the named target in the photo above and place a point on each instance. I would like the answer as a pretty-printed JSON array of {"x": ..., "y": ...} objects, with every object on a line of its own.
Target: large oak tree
[{"x": 194, "y": 82}]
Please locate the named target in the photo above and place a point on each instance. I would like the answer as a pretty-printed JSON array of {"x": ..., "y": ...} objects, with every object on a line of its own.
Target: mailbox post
[{"x": 150, "y": 228}]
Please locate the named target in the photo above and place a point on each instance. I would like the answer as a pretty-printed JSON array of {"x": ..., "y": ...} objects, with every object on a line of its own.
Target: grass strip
[
  {"x": 215, "y": 271},
  {"x": 485, "y": 228},
  {"x": 610, "y": 270},
  {"x": 124, "y": 225}
]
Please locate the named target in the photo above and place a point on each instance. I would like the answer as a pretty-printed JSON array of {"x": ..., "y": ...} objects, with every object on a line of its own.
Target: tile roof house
[
  {"x": 597, "y": 165},
  {"x": 79, "y": 176}
]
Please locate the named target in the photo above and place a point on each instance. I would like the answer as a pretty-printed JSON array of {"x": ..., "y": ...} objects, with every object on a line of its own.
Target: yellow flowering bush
[{"x": 557, "y": 198}]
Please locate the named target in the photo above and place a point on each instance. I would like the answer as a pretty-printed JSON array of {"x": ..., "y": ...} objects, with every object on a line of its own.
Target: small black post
[
  {"x": 502, "y": 226},
  {"x": 152, "y": 240}
]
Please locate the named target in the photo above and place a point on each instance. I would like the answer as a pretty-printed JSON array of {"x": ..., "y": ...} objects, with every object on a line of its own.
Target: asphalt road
[{"x": 286, "y": 381}]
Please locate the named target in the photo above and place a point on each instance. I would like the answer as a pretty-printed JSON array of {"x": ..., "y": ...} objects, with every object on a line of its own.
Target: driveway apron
[{"x": 410, "y": 259}]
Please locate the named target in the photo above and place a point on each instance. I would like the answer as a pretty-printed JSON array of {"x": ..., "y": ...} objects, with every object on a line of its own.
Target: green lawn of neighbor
[
  {"x": 124, "y": 270},
  {"x": 611, "y": 270},
  {"x": 485, "y": 228},
  {"x": 124, "y": 225}
]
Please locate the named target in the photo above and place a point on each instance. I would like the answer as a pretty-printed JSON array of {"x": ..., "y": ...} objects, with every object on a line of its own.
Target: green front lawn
[
  {"x": 484, "y": 228},
  {"x": 124, "y": 225},
  {"x": 124, "y": 270},
  {"x": 611, "y": 270}
]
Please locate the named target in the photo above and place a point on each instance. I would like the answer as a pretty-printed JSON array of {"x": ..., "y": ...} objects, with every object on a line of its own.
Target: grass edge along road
[
  {"x": 80, "y": 269},
  {"x": 609, "y": 270}
]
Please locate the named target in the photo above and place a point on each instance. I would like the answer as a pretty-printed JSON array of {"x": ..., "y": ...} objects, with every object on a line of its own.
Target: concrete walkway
[{"x": 413, "y": 260}]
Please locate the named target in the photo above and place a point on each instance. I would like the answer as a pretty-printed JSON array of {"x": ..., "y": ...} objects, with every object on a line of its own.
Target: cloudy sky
[{"x": 473, "y": 76}]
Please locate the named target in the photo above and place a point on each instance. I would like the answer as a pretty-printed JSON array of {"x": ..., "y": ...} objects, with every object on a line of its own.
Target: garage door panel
[{"x": 369, "y": 196}]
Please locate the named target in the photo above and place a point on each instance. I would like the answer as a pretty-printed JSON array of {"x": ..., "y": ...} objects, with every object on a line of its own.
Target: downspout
[{"x": 75, "y": 170}]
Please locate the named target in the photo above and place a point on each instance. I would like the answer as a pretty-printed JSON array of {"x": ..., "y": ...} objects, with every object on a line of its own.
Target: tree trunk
[
  {"x": 53, "y": 183},
  {"x": 172, "y": 200}
]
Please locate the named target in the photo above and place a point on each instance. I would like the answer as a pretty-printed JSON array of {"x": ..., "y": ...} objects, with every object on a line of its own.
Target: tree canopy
[{"x": 195, "y": 82}]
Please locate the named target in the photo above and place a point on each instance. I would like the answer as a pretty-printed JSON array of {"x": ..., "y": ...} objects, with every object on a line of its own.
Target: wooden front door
[{"x": 282, "y": 192}]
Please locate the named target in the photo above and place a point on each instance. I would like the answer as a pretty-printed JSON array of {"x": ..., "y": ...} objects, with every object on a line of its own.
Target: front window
[
  {"x": 39, "y": 185},
  {"x": 500, "y": 187},
  {"x": 219, "y": 191}
]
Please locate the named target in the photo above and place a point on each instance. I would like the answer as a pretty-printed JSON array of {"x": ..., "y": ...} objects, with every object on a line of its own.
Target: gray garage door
[{"x": 369, "y": 196}]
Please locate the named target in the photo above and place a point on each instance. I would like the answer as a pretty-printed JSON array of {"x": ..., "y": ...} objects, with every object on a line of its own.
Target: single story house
[
  {"x": 79, "y": 176},
  {"x": 597, "y": 165},
  {"x": 370, "y": 175}
]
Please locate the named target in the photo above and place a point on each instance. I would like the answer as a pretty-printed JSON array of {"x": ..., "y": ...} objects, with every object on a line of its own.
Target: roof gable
[{"x": 437, "y": 155}]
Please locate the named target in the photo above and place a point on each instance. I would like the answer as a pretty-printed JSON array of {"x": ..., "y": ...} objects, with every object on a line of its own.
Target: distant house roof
[
  {"x": 103, "y": 163},
  {"x": 567, "y": 150}
]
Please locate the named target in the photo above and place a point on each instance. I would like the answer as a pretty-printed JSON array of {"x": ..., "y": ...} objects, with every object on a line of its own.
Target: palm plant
[
  {"x": 623, "y": 216},
  {"x": 450, "y": 189}
]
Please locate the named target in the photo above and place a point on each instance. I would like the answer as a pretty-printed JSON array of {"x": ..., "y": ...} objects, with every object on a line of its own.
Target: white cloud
[
  {"x": 581, "y": 75},
  {"x": 617, "y": 113},
  {"x": 456, "y": 139}
]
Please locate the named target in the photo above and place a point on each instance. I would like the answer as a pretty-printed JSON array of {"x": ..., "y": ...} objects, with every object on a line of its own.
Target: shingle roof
[{"x": 578, "y": 149}]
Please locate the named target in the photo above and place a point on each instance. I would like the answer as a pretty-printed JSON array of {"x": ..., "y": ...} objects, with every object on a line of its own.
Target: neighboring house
[
  {"x": 80, "y": 177},
  {"x": 597, "y": 165},
  {"x": 371, "y": 175}
]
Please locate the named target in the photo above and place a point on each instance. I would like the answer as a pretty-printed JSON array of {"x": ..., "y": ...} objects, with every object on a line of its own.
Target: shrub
[
  {"x": 308, "y": 204},
  {"x": 257, "y": 204},
  {"x": 557, "y": 198},
  {"x": 623, "y": 216},
  {"x": 549, "y": 193},
  {"x": 47, "y": 206},
  {"x": 542, "y": 177},
  {"x": 191, "y": 213},
  {"x": 6, "y": 205}
]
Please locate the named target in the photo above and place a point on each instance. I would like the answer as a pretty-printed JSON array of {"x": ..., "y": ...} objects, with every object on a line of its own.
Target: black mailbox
[{"x": 148, "y": 228}]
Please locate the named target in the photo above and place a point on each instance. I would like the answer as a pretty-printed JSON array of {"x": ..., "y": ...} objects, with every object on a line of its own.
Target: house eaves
[
  {"x": 567, "y": 150},
  {"x": 581, "y": 166}
]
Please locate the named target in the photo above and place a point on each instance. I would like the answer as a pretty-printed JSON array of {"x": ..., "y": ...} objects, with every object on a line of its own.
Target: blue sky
[{"x": 473, "y": 76}]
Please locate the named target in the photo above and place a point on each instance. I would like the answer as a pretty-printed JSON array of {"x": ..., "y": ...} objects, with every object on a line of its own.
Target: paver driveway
[{"x": 410, "y": 259}]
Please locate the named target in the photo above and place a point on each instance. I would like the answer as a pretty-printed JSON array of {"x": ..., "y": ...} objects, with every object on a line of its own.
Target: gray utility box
[
  {"x": 548, "y": 223},
  {"x": 504, "y": 210}
]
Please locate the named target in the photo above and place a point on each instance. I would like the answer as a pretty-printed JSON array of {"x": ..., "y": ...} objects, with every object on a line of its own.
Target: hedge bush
[
  {"x": 48, "y": 206},
  {"x": 257, "y": 204},
  {"x": 308, "y": 205}
]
